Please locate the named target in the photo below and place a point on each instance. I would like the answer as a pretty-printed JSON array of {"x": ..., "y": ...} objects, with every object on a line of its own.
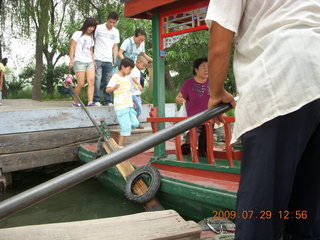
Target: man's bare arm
[{"x": 220, "y": 45}]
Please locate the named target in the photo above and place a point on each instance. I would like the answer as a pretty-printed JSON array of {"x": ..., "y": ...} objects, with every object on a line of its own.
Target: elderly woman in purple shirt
[{"x": 195, "y": 93}]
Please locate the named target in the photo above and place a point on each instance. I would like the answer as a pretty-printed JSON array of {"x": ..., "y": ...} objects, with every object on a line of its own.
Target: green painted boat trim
[
  {"x": 220, "y": 166},
  {"x": 221, "y": 198}
]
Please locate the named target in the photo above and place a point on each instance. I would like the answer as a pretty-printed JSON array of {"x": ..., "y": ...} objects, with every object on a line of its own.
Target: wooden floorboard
[
  {"x": 148, "y": 225},
  {"x": 28, "y": 160},
  {"x": 43, "y": 140}
]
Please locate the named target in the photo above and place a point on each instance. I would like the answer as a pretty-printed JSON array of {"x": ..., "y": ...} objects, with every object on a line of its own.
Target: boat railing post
[
  {"x": 154, "y": 113},
  {"x": 193, "y": 145},
  {"x": 178, "y": 147},
  {"x": 210, "y": 145},
  {"x": 227, "y": 135}
]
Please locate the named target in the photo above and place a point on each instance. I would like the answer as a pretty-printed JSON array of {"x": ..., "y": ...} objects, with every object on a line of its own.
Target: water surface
[{"x": 87, "y": 200}]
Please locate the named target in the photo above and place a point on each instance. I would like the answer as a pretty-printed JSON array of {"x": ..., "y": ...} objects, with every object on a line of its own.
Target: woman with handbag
[{"x": 194, "y": 93}]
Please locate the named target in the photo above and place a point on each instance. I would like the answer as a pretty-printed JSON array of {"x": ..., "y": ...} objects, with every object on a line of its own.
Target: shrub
[{"x": 15, "y": 86}]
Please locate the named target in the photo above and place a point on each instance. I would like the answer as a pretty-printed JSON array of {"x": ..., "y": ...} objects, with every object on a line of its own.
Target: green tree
[
  {"x": 58, "y": 75},
  {"x": 41, "y": 22},
  {"x": 53, "y": 29},
  {"x": 97, "y": 8},
  {"x": 2, "y": 21},
  {"x": 27, "y": 74},
  {"x": 180, "y": 56},
  {"x": 28, "y": 16},
  {"x": 57, "y": 40}
]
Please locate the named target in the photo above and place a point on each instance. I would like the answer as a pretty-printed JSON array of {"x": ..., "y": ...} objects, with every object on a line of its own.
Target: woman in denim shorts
[{"x": 82, "y": 59}]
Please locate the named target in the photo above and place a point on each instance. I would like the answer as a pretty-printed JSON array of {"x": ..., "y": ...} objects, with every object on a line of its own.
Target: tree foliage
[
  {"x": 16, "y": 85},
  {"x": 54, "y": 21},
  {"x": 180, "y": 56},
  {"x": 59, "y": 74}
]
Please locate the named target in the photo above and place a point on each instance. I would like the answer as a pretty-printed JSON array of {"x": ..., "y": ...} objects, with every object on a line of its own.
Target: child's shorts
[
  {"x": 82, "y": 66},
  {"x": 127, "y": 119}
]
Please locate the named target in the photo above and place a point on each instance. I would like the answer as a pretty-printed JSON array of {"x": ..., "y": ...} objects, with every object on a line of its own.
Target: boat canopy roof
[{"x": 146, "y": 9}]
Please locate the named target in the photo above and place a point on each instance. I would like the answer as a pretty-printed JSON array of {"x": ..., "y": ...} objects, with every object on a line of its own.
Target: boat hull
[{"x": 192, "y": 200}]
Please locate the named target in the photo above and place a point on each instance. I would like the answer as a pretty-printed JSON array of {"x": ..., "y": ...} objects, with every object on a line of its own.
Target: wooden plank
[
  {"x": 19, "y": 161},
  {"x": 49, "y": 119},
  {"x": 42, "y": 140},
  {"x": 148, "y": 225},
  {"x": 33, "y": 120},
  {"x": 126, "y": 168}
]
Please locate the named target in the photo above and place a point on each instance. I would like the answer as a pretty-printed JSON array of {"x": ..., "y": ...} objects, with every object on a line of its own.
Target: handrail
[{"x": 93, "y": 168}]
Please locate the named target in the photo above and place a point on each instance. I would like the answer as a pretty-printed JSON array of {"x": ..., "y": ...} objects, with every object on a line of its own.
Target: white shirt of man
[
  {"x": 122, "y": 97},
  {"x": 105, "y": 39},
  {"x": 269, "y": 80},
  {"x": 131, "y": 50},
  {"x": 82, "y": 51},
  {"x": 135, "y": 73}
]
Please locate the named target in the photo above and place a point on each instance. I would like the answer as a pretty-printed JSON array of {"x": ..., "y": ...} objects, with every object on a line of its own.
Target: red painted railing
[{"x": 229, "y": 153}]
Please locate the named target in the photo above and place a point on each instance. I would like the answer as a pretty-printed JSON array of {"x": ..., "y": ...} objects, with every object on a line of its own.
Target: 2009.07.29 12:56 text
[{"x": 262, "y": 214}]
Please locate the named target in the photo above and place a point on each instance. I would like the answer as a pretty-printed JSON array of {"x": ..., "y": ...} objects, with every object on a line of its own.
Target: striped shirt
[
  {"x": 276, "y": 61},
  {"x": 122, "y": 97}
]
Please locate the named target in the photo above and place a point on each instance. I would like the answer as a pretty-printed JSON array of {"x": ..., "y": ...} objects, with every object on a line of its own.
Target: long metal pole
[
  {"x": 84, "y": 107},
  {"x": 80, "y": 174}
]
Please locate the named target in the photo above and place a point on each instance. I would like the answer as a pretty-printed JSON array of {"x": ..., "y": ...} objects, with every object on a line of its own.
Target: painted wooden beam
[
  {"x": 135, "y": 7},
  {"x": 158, "y": 78}
]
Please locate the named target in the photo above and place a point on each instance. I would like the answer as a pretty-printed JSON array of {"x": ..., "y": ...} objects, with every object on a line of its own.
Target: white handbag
[{"x": 182, "y": 111}]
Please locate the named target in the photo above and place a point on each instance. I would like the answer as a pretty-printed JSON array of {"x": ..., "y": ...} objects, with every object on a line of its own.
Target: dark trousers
[
  {"x": 202, "y": 142},
  {"x": 103, "y": 75},
  {"x": 280, "y": 173}
]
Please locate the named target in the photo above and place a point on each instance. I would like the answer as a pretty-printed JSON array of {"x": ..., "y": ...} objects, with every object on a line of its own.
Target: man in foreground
[{"x": 276, "y": 65}]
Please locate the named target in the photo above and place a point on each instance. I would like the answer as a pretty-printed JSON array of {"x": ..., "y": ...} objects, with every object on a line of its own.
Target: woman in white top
[
  {"x": 82, "y": 59},
  {"x": 133, "y": 46}
]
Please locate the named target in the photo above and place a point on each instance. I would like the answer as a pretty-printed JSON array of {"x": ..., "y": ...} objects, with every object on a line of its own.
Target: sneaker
[
  {"x": 92, "y": 104},
  {"x": 74, "y": 104},
  {"x": 109, "y": 104},
  {"x": 97, "y": 104}
]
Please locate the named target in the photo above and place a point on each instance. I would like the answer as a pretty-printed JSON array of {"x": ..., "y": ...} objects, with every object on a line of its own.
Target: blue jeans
[
  {"x": 137, "y": 101},
  {"x": 103, "y": 75}
]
